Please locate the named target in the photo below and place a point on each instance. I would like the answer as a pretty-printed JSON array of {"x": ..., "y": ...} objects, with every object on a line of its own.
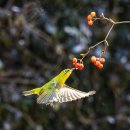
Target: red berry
[
  {"x": 89, "y": 17},
  {"x": 97, "y": 63},
  {"x": 74, "y": 61},
  {"x": 97, "y": 59},
  {"x": 81, "y": 66},
  {"x": 102, "y": 60},
  {"x": 77, "y": 65},
  {"x": 93, "y": 59},
  {"x": 93, "y": 14},
  {"x": 90, "y": 23},
  {"x": 100, "y": 66}
]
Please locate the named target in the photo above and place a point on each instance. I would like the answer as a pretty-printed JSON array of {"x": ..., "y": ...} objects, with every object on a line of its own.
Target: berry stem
[
  {"x": 91, "y": 18},
  {"x": 105, "y": 39},
  {"x": 90, "y": 48},
  {"x": 122, "y": 22},
  {"x": 109, "y": 32},
  {"x": 104, "y": 18}
]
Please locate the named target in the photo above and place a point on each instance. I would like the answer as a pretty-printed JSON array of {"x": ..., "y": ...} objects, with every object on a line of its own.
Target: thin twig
[
  {"x": 122, "y": 22},
  {"x": 109, "y": 32},
  {"x": 104, "y": 18},
  {"x": 105, "y": 39}
]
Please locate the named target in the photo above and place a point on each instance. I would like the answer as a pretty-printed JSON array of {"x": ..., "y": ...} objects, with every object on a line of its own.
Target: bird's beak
[{"x": 72, "y": 69}]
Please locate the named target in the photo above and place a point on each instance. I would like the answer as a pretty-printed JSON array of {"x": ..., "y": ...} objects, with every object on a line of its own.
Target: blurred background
[{"x": 38, "y": 39}]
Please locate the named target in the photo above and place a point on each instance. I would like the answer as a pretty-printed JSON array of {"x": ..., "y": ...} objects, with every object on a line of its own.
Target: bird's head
[
  {"x": 63, "y": 76},
  {"x": 67, "y": 72}
]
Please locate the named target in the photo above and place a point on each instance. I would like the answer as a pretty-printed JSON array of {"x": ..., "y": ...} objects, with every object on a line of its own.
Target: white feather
[
  {"x": 69, "y": 94},
  {"x": 64, "y": 94}
]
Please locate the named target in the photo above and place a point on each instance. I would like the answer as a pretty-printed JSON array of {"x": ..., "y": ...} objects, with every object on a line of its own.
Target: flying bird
[{"x": 56, "y": 91}]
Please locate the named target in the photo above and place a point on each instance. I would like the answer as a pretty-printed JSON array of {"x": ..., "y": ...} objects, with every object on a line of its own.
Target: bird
[{"x": 56, "y": 91}]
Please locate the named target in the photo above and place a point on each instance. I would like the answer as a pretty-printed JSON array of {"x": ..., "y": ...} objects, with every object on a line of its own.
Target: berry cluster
[
  {"x": 90, "y": 18},
  {"x": 98, "y": 61},
  {"x": 77, "y": 65}
]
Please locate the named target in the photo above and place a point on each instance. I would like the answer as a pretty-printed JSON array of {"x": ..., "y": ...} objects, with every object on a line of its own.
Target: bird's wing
[
  {"x": 63, "y": 94},
  {"x": 49, "y": 96},
  {"x": 46, "y": 98},
  {"x": 68, "y": 94}
]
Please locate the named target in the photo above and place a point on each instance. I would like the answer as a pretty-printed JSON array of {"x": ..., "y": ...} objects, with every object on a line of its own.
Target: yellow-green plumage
[{"x": 57, "y": 91}]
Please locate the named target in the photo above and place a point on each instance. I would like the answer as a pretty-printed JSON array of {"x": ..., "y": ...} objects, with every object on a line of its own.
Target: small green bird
[{"x": 56, "y": 91}]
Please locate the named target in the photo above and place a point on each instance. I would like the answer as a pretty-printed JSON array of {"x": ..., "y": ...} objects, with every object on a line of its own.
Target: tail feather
[
  {"x": 33, "y": 91},
  {"x": 27, "y": 93}
]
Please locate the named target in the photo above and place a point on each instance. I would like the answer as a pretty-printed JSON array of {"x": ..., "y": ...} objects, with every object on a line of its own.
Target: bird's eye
[{"x": 66, "y": 70}]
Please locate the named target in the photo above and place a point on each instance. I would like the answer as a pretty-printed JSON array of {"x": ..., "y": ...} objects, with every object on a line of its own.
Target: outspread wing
[
  {"x": 69, "y": 94},
  {"x": 64, "y": 94}
]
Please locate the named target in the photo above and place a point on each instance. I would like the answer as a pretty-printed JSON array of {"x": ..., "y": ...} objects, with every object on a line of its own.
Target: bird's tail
[{"x": 30, "y": 92}]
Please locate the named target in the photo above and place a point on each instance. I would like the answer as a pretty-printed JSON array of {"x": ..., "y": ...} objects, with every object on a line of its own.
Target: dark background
[{"x": 38, "y": 39}]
